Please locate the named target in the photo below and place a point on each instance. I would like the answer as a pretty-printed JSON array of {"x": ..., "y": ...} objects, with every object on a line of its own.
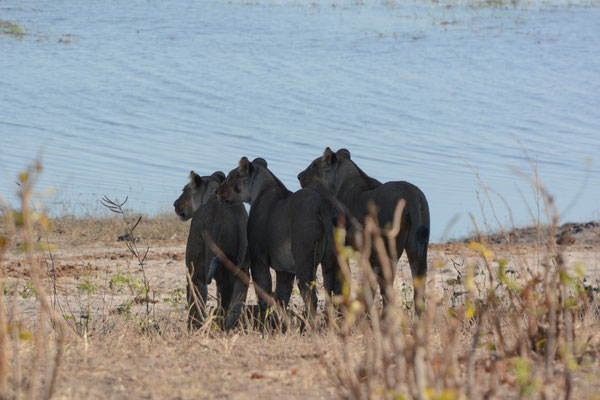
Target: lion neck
[
  {"x": 261, "y": 180},
  {"x": 351, "y": 181},
  {"x": 204, "y": 194}
]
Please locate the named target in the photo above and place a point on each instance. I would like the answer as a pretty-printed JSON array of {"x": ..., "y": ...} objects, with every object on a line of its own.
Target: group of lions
[{"x": 290, "y": 232}]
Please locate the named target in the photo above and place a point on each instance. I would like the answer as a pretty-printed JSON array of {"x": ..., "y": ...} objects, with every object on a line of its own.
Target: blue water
[{"x": 124, "y": 98}]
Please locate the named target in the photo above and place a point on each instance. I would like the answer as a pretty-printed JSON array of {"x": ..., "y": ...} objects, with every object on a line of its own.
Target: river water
[{"x": 124, "y": 98}]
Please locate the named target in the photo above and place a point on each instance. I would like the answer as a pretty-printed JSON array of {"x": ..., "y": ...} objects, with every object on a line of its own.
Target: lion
[
  {"x": 337, "y": 173},
  {"x": 224, "y": 226},
  {"x": 289, "y": 232}
]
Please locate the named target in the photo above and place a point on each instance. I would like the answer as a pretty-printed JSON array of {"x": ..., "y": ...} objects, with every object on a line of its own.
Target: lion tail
[
  {"x": 422, "y": 239},
  {"x": 418, "y": 211}
]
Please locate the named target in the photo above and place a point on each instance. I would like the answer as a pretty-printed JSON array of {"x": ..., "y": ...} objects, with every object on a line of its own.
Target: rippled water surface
[{"x": 124, "y": 98}]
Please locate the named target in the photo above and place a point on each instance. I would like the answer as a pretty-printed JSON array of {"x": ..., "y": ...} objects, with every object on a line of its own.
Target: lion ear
[
  {"x": 260, "y": 162},
  {"x": 245, "y": 166},
  {"x": 195, "y": 179},
  {"x": 219, "y": 176},
  {"x": 329, "y": 156},
  {"x": 343, "y": 153}
]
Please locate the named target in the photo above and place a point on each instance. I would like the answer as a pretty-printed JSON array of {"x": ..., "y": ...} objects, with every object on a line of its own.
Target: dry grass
[
  {"x": 511, "y": 324},
  {"x": 164, "y": 228},
  {"x": 504, "y": 319},
  {"x": 131, "y": 363}
]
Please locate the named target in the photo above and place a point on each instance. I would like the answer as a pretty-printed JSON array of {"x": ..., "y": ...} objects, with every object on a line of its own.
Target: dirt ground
[{"x": 97, "y": 289}]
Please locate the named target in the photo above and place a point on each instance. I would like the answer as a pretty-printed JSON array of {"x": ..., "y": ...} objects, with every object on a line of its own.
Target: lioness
[
  {"x": 290, "y": 232},
  {"x": 225, "y": 225},
  {"x": 355, "y": 189}
]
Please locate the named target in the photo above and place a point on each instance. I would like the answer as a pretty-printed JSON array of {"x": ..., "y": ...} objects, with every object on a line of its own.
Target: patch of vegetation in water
[
  {"x": 9, "y": 28},
  {"x": 15, "y": 30}
]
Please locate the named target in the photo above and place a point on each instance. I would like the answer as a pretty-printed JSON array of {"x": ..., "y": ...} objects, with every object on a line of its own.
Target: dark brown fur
[
  {"x": 225, "y": 226},
  {"x": 355, "y": 189},
  {"x": 289, "y": 232}
]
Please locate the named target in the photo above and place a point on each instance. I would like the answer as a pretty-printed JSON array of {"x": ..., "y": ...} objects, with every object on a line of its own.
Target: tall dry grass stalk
[
  {"x": 5, "y": 243},
  {"x": 37, "y": 377},
  {"x": 508, "y": 329}
]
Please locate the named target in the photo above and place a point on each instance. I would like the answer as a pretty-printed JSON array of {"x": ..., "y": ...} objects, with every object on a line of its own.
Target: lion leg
[
  {"x": 283, "y": 287},
  {"x": 240, "y": 289},
  {"x": 283, "y": 291},
  {"x": 196, "y": 290},
  {"x": 224, "y": 293},
  {"x": 262, "y": 277},
  {"x": 331, "y": 271},
  {"x": 225, "y": 280},
  {"x": 417, "y": 258},
  {"x": 307, "y": 284},
  {"x": 197, "y": 295},
  {"x": 382, "y": 281}
]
